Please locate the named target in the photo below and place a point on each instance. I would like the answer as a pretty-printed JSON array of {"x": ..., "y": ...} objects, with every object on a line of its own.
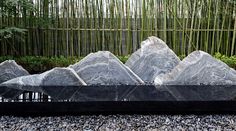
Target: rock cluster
[{"x": 154, "y": 63}]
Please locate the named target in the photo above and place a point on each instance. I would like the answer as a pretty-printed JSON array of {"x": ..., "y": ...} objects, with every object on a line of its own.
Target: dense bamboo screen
[{"x": 78, "y": 27}]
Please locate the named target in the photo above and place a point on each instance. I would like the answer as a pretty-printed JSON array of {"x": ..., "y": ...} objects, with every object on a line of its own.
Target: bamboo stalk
[
  {"x": 95, "y": 24},
  {"x": 165, "y": 20},
  {"x": 186, "y": 26},
  {"x": 128, "y": 42},
  {"x": 228, "y": 35},
  {"x": 214, "y": 27},
  {"x": 175, "y": 26},
  {"x": 103, "y": 24},
  {"x": 121, "y": 27},
  {"x": 86, "y": 18},
  {"x": 117, "y": 9},
  {"x": 112, "y": 6},
  {"x": 79, "y": 8},
  {"x": 192, "y": 25},
  {"x": 222, "y": 27},
  {"x": 233, "y": 39},
  {"x": 183, "y": 31},
  {"x": 198, "y": 27},
  {"x": 208, "y": 25},
  {"x": 143, "y": 19}
]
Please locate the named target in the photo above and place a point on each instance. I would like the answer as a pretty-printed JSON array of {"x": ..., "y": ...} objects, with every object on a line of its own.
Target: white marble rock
[
  {"x": 54, "y": 77},
  {"x": 103, "y": 68},
  {"x": 154, "y": 58},
  {"x": 199, "y": 68},
  {"x": 9, "y": 69}
]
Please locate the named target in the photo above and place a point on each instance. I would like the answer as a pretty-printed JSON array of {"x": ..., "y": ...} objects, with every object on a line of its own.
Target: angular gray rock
[
  {"x": 103, "y": 68},
  {"x": 9, "y": 69},
  {"x": 54, "y": 77},
  {"x": 199, "y": 68},
  {"x": 154, "y": 58}
]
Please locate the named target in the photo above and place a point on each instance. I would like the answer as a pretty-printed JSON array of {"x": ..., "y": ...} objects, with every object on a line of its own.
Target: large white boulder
[
  {"x": 199, "y": 68},
  {"x": 9, "y": 69},
  {"x": 103, "y": 68},
  {"x": 154, "y": 58}
]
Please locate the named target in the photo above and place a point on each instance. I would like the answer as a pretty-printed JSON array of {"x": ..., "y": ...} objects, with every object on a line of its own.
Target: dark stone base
[{"x": 143, "y": 93}]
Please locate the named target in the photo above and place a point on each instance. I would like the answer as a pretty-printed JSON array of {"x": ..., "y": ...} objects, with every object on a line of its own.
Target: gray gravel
[{"x": 121, "y": 122}]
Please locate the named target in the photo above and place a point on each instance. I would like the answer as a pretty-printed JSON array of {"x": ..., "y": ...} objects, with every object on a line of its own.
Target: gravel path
[{"x": 121, "y": 122}]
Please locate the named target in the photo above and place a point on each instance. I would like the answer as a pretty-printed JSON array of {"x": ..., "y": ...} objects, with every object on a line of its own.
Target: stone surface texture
[
  {"x": 9, "y": 69},
  {"x": 103, "y": 68},
  {"x": 154, "y": 58},
  {"x": 199, "y": 68}
]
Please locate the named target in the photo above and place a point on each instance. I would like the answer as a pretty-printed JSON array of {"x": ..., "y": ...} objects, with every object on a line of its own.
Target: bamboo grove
[{"x": 78, "y": 27}]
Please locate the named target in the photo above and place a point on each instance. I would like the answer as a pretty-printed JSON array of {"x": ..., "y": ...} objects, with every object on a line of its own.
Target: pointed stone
[
  {"x": 103, "y": 68},
  {"x": 154, "y": 58},
  {"x": 9, "y": 69},
  {"x": 199, "y": 68}
]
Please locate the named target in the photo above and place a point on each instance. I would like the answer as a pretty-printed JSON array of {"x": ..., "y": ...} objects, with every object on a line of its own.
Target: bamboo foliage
[{"x": 78, "y": 27}]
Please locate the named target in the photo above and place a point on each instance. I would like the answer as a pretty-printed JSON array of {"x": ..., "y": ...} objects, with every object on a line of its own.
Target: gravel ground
[{"x": 121, "y": 122}]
